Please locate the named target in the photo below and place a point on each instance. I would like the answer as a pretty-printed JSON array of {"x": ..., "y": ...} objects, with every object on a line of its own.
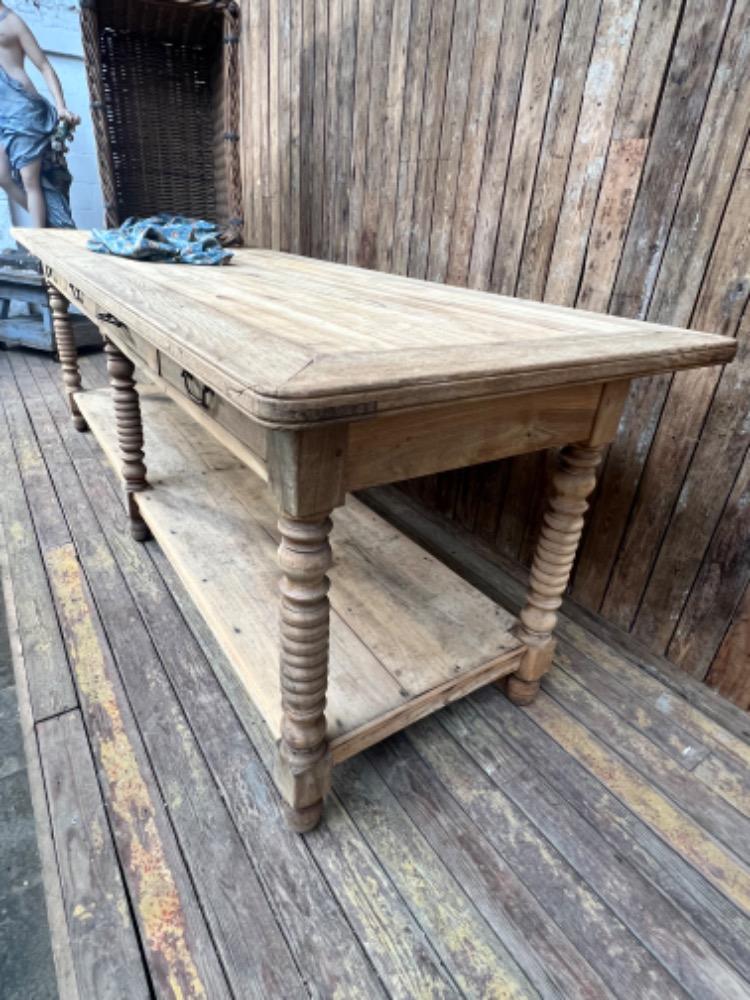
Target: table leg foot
[
  {"x": 523, "y": 686},
  {"x": 303, "y": 820},
  {"x": 303, "y": 781},
  {"x": 521, "y": 692},
  {"x": 139, "y": 530}
]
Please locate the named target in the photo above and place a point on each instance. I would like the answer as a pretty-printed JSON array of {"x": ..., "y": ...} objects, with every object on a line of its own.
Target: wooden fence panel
[{"x": 586, "y": 152}]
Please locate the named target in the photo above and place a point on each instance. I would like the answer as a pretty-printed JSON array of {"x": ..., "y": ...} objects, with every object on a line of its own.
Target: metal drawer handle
[
  {"x": 202, "y": 395},
  {"x": 110, "y": 319}
]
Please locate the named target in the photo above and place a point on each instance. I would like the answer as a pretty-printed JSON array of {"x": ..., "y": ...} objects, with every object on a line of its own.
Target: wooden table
[{"x": 281, "y": 384}]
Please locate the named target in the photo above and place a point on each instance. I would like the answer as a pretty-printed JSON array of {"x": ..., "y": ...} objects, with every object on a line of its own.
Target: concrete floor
[{"x": 26, "y": 966}]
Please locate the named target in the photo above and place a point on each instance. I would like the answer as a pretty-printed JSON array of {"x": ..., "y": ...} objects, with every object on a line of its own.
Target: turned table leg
[
  {"x": 66, "y": 351},
  {"x": 129, "y": 434},
  {"x": 553, "y": 561},
  {"x": 303, "y": 766}
]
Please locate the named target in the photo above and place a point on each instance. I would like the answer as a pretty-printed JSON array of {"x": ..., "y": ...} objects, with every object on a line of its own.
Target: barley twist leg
[
  {"x": 303, "y": 771},
  {"x": 129, "y": 433},
  {"x": 555, "y": 554},
  {"x": 66, "y": 351}
]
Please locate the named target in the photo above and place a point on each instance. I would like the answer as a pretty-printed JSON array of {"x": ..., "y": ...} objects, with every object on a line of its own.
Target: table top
[{"x": 293, "y": 340}]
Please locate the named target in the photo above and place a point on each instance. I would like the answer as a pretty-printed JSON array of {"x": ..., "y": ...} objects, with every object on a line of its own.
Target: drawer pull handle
[
  {"x": 198, "y": 392},
  {"x": 75, "y": 292},
  {"x": 110, "y": 319}
]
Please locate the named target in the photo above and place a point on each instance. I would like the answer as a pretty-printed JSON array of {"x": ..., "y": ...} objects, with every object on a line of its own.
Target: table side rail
[{"x": 434, "y": 439}]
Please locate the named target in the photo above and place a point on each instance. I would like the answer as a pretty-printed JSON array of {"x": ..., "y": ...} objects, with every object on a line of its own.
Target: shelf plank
[{"x": 407, "y": 634}]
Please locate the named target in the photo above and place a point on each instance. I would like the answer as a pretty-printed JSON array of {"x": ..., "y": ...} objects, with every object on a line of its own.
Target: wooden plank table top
[
  {"x": 292, "y": 340},
  {"x": 323, "y": 379}
]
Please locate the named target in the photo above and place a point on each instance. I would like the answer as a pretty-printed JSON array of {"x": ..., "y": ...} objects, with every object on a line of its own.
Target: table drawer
[
  {"x": 135, "y": 347},
  {"x": 212, "y": 408}
]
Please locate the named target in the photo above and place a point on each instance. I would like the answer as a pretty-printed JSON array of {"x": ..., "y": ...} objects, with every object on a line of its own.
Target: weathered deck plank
[
  {"x": 43, "y": 933},
  {"x": 602, "y": 938},
  {"x": 639, "y": 714},
  {"x": 172, "y": 928},
  {"x": 697, "y": 800},
  {"x": 551, "y": 962},
  {"x": 50, "y": 685},
  {"x": 594, "y": 845},
  {"x": 324, "y": 947},
  {"x": 720, "y": 922},
  {"x": 717, "y": 863},
  {"x": 477, "y": 960},
  {"x": 652, "y": 919},
  {"x": 106, "y": 954},
  {"x": 230, "y": 893}
]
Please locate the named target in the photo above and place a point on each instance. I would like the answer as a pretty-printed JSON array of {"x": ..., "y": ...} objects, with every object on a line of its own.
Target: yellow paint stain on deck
[
  {"x": 96, "y": 836},
  {"x": 28, "y": 456},
  {"x": 450, "y": 920},
  {"x": 17, "y": 533},
  {"x": 81, "y": 912},
  {"x": 156, "y": 897},
  {"x": 383, "y": 931},
  {"x": 732, "y": 786},
  {"x": 122, "y": 909},
  {"x": 671, "y": 704},
  {"x": 677, "y": 829},
  {"x": 446, "y": 760}
]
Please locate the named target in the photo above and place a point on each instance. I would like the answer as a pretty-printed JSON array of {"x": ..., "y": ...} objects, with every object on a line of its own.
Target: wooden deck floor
[{"x": 593, "y": 845}]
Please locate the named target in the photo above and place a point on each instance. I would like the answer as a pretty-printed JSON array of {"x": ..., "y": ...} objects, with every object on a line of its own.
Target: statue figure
[{"x": 32, "y": 132}]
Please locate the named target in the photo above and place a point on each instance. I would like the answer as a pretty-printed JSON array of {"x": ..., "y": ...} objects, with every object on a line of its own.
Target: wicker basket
[{"x": 163, "y": 78}]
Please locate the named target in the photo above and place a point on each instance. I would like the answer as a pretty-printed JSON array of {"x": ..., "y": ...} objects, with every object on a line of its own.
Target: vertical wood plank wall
[{"x": 592, "y": 153}]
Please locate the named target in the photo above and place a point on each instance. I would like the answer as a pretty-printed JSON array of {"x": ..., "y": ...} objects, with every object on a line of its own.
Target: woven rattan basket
[{"x": 163, "y": 78}]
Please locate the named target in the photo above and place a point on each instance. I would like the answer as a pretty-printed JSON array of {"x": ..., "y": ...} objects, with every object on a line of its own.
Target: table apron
[{"x": 438, "y": 438}]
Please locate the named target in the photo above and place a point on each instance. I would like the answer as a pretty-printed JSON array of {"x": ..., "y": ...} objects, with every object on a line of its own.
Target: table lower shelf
[{"x": 407, "y": 634}]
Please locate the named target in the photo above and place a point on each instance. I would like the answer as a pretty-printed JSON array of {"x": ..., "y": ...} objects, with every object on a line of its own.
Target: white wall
[{"x": 56, "y": 26}]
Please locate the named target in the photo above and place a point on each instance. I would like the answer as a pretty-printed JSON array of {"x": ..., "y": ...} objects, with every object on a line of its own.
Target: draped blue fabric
[
  {"x": 172, "y": 239},
  {"x": 27, "y": 122}
]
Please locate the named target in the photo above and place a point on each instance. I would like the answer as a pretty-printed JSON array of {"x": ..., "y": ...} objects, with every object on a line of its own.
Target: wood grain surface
[{"x": 294, "y": 340}]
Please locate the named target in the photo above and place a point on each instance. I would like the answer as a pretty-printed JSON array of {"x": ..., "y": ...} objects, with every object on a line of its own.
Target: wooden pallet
[
  {"x": 408, "y": 635},
  {"x": 35, "y": 331}
]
